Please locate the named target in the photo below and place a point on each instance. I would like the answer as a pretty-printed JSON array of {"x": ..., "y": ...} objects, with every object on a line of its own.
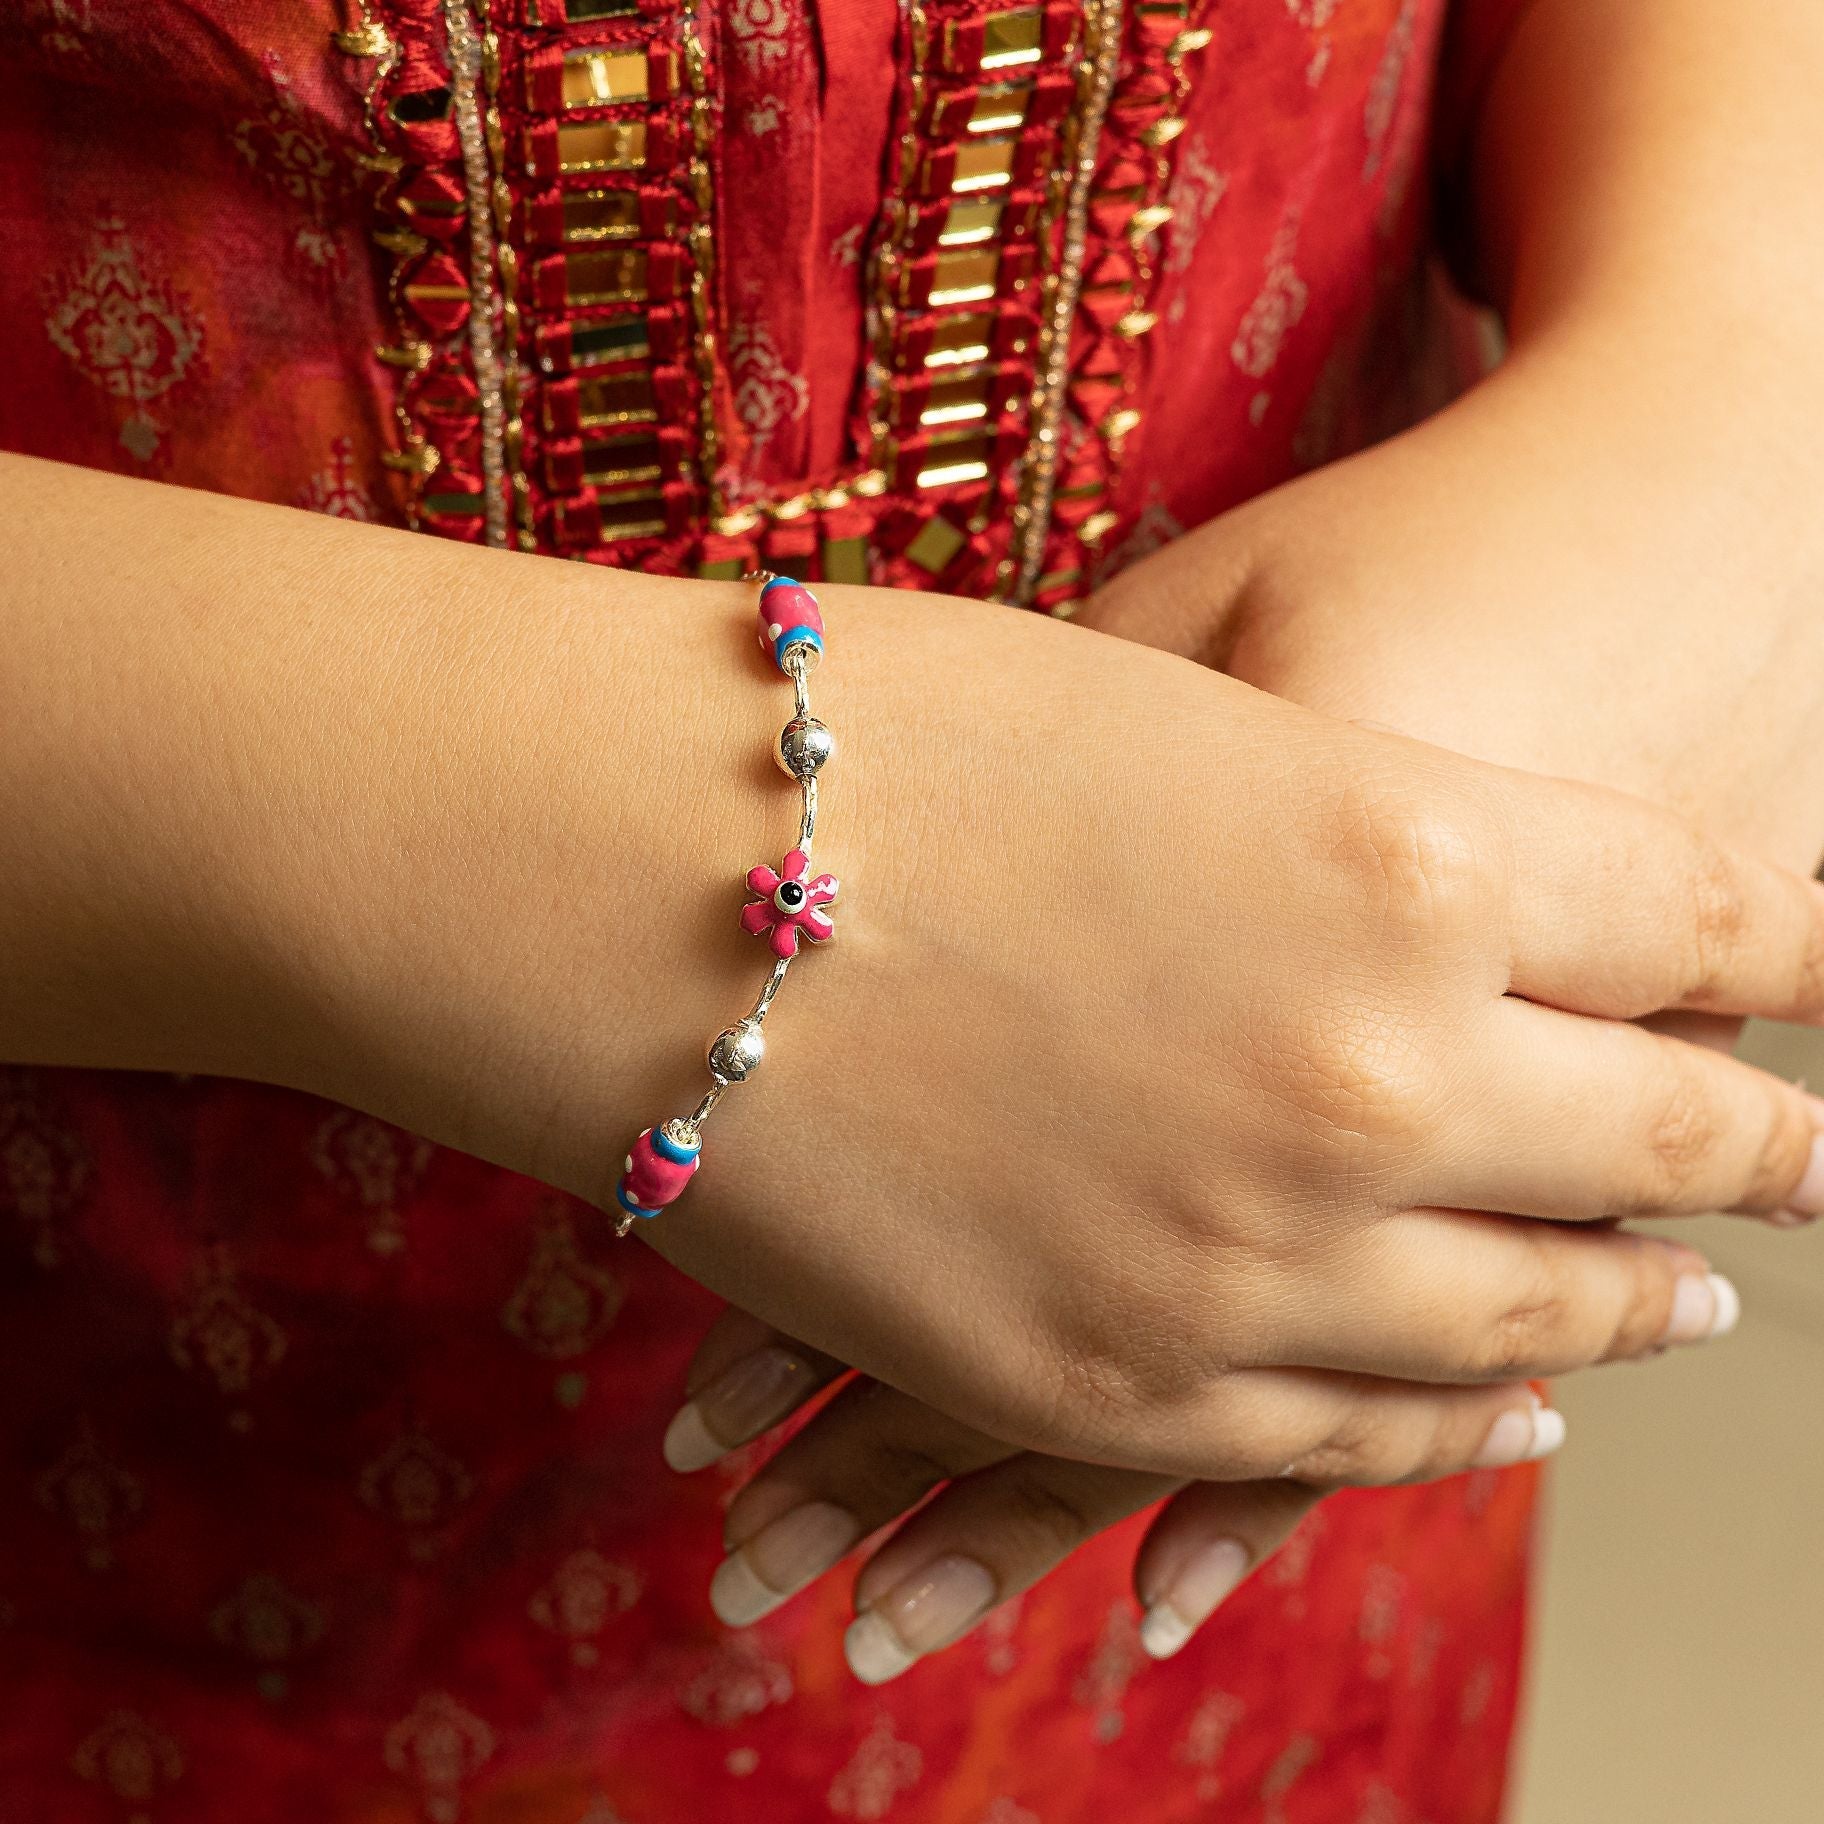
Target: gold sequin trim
[
  {"x": 484, "y": 301},
  {"x": 865, "y": 485},
  {"x": 700, "y": 244}
]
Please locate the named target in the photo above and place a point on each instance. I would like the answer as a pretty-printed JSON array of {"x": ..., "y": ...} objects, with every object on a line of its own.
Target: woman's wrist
[{"x": 452, "y": 836}]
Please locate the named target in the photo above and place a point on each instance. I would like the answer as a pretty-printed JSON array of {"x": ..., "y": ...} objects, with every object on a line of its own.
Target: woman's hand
[
  {"x": 1319, "y": 591},
  {"x": 1007, "y": 1515},
  {"x": 993, "y": 1520},
  {"x": 1187, "y": 1065}
]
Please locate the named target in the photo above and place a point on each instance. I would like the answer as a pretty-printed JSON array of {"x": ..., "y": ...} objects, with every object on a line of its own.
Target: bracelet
[{"x": 786, "y": 906}]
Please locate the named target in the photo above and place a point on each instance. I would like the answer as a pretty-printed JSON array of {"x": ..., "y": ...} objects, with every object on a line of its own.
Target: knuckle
[
  {"x": 1094, "y": 1388},
  {"x": 1682, "y": 1132},
  {"x": 1047, "y": 1515},
  {"x": 1098, "y": 1391},
  {"x": 1719, "y": 921},
  {"x": 1526, "y": 1339},
  {"x": 1419, "y": 856},
  {"x": 1363, "y": 1085},
  {"x": 1445, "y": 1449},
  {"x": 1366, "y": 1448},
  {"x": 1556, "y": 1317},
  {"x": 1641, "y": 1323},
  {"x": 1138, "y": 1345}
]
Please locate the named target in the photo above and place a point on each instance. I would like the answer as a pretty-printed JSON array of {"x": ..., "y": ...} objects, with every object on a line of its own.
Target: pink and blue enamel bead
[
  {"x": 658, "y": 1168},
  {"x": 789, "y": 617}
]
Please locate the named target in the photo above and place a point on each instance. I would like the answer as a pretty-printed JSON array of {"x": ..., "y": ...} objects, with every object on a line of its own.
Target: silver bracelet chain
[{"x": 786, "y": 906}]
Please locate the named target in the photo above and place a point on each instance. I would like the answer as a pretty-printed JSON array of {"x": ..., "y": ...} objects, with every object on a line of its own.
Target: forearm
[
  {"x": 252, "y": 758},
  {"x": 458, "y": 837},
  {"x": 1656, "y": 168},
  {"x": 1552, "y": 587},
  {"x": 1607, "y": 558},
  {"x": 1632, "y": 518}
]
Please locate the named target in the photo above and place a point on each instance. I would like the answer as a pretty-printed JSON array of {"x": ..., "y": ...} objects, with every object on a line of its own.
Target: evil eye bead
[
  {"x": 789, "y": 896},
  {"x": 789, "y": 617}
]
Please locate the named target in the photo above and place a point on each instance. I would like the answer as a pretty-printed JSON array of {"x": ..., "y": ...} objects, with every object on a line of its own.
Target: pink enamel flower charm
[{"x": 788, "y": 904}]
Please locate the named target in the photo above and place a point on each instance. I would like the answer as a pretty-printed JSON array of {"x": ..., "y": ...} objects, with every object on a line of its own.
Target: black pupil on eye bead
[{"x": 791, "y": 896}]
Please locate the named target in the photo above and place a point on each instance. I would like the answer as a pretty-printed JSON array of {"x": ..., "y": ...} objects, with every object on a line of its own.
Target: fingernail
[
  {"x": 1521, "y": 1437},
  {"x": 916, "y": 1617},
  {"x": 1807, "y": 1197},
  {"x": 1728, "y": 1305},
  {"x": 1703, "y": 1306},
  {"x": 1192, "y": 1598},
  {"x": 745, "y": 1399},
  {"x": 780, "y": 1560}
]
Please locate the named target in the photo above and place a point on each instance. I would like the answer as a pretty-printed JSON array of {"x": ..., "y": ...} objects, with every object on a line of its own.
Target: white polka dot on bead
[{"x": 776, "y": 629}]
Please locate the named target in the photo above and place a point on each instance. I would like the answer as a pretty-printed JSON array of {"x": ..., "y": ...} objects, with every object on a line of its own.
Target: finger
[
  {"x": 978, "y": 1545},
  {"x": 1200, "y": 1547},
  {"x": 871, "y": 1455},
  {"x": 987, "y": 1537},
  {"x": 1358, "y": 1431},
  {"x": 745, "y": 1378},
  {"x": 1586, "y": 1118},
  {"x": 1620, "y": 908},
  {"x": 1464, "y": 1296},
  {"x": 1721, "y": 1032}
]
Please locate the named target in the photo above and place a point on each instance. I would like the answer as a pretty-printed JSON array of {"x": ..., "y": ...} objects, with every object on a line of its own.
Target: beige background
[{"x": 1678, "y": 1673}]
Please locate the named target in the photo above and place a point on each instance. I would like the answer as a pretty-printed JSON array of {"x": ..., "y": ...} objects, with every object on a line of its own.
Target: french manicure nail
[
  {"x": 874, "y": 1652},
  {"x": 1521, "y": 1437},
  {"x": 780, "y": 1560},
  {"x": 1193, "y": 1596},
  {"x": 745, "y": 1399},
  {"x": 1548, "y": 1433},
  {"x": 1703, "y": 1306},
  {"x": 916, "y": 1616},
  {"x": 1728, "y": 1305},
  {"x": 1807, "y": 1197}
]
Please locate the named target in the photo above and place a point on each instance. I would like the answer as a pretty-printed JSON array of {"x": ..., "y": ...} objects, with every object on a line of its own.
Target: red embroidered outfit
[{"x": 329, "y": 1472}]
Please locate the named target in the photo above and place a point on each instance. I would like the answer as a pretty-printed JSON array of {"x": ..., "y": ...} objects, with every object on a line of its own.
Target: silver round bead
[
  {"x": 804, "y": 745},
  {"x": 735, "y": 1053}
]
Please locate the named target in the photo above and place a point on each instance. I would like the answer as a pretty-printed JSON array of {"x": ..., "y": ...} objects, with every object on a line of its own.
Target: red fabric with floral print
[{"x": 330, "y": 1485}]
